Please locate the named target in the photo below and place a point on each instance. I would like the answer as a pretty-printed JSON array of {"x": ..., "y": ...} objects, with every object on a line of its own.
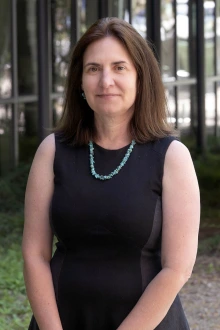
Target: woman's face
[{"x": 109, "y": 78}]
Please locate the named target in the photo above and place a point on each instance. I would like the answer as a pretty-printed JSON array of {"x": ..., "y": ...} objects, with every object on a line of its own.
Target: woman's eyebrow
[
  {"x": 91, "y": 63},
  {"x": 97, "y": 64},
  {"x": 119, "y": 62}
]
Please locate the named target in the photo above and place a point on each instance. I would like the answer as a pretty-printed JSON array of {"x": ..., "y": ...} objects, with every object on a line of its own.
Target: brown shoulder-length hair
[{"x": 149, "y": 121}]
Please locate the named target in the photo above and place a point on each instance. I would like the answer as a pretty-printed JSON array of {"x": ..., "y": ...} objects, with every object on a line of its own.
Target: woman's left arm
[{"x": 181, "y": 214}]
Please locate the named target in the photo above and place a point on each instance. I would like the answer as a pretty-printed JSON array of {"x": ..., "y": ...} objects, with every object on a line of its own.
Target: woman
[{"x": 119, "y": 193}]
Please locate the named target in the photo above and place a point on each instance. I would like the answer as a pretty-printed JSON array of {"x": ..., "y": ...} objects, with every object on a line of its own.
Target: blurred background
[
  {"x": 36, "y": 38},
  {"x": 35, "y": 43}
]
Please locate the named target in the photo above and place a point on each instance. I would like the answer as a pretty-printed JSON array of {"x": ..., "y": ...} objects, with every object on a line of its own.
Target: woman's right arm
[{"x": 37, "y": 238}]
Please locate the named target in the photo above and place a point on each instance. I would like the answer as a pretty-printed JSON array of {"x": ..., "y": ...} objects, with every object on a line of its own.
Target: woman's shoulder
[
  {"x": 177, "y": 154},
  {"x": 171, "y": 148},
  {"x": 48, "y": 144},
  {"x": 46, "y": 149},
  {"x": 161, "y": 145},
  {"x": 42, "y": 165},
  {"x": 171, "y": 152}
]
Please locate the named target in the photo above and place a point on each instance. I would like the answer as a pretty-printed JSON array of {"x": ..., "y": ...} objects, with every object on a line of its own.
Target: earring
[{"x": 83, "y": 95}]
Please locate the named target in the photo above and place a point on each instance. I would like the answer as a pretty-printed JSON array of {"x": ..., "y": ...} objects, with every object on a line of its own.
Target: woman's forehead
[{"x": 108, "y": 48}]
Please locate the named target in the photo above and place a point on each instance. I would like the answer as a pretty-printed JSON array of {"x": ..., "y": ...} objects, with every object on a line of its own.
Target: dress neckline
[{"x": 110, "y": 150}]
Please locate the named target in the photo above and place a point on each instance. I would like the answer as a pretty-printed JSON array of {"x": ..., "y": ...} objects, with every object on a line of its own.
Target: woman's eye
[
  {"x": 93, "y": 69},
  {"x": 120, "y": 68}
]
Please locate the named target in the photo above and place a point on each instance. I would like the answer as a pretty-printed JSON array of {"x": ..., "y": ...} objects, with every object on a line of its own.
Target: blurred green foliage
[
  {"x": 208, "y": 172},
  {"x": 210, "y": 245},
  {"x": 207, "y": 168},
  {"x": 15, "y": 311},
  {"x": 12, "y": 188}
]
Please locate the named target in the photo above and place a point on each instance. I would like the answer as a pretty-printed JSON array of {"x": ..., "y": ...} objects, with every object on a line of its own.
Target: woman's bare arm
[
  {"x": 37, "y": 238},
  {"x": 181, "y": 214}
]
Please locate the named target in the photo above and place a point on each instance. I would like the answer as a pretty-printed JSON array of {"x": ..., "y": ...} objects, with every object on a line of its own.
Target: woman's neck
[{"x": 111, "y": 133}]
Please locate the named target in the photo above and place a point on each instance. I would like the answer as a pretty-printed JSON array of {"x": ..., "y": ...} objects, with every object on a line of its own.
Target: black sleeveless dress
[{"x": 109, "y": 235}]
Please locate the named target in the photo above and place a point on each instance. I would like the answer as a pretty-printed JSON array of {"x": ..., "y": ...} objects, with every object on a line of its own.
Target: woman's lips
[{"x": 107, "y": 95}]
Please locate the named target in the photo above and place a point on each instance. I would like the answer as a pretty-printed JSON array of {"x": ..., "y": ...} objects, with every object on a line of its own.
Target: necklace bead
[{"x": 113, "y": 173}]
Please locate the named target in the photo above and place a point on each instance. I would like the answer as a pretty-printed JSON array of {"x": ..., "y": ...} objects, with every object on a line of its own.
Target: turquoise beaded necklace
[{"x": 123, "y": 162}]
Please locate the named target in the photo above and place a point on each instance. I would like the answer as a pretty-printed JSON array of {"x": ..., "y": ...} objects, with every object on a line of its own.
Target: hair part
[{"x": 149, "y": 120}]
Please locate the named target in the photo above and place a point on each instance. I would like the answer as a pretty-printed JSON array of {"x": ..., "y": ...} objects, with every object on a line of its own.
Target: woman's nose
[{"x": 106, "y": 79}]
